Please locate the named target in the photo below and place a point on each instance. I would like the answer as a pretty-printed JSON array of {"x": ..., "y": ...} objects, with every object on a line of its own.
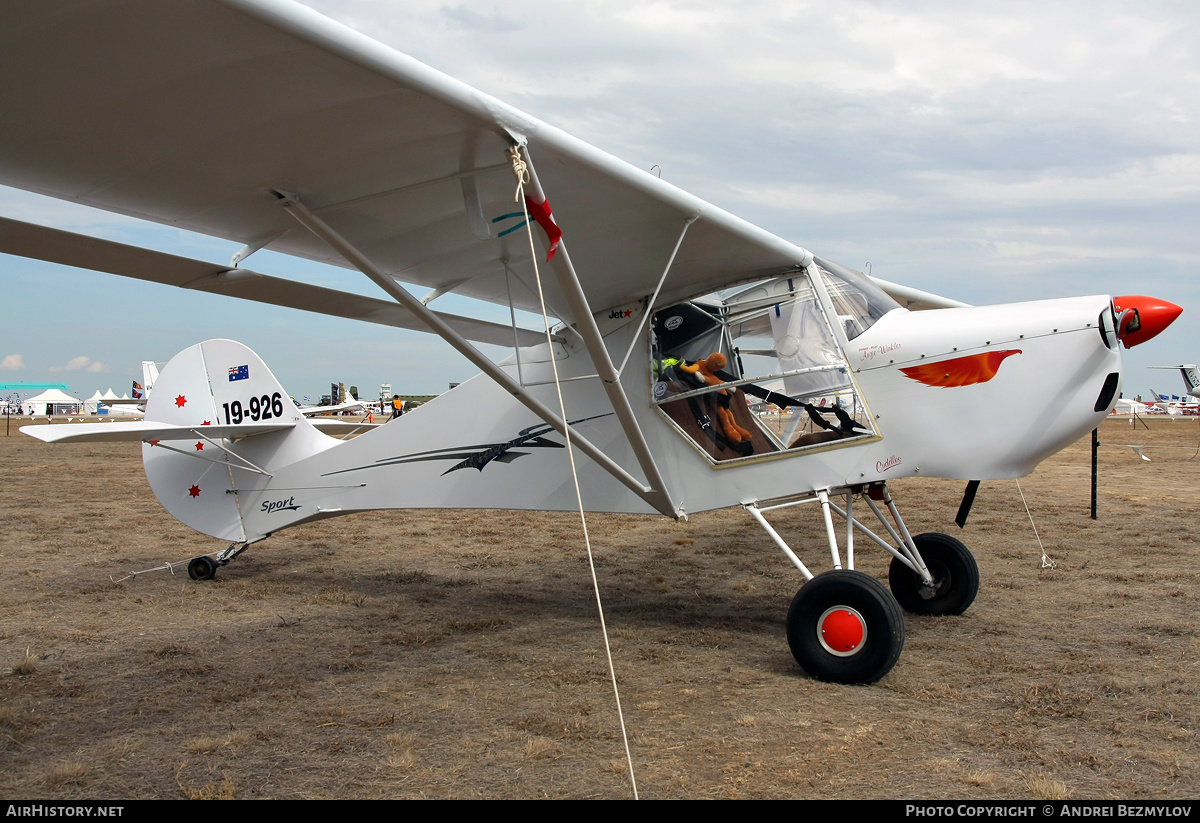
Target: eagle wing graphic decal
[{"x": 960, "y": 371}]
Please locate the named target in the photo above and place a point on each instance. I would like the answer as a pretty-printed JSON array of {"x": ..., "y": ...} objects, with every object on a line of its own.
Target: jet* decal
[{"x": 478, "y": 456}]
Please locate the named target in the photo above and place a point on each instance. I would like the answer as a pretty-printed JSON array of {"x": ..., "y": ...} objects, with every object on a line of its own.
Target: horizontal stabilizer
[
  {"x": 84, "y": 252},
  {"x": 146, "y": 431}
]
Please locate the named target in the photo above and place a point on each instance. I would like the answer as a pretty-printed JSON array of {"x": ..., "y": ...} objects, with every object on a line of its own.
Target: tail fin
[
  {"x": 1191, "y": 378},
  {"x": 149, "y": 375},
  {"x": 220, "y": 382}
]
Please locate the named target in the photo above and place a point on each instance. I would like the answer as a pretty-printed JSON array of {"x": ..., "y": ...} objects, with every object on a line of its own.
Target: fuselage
[
  {"x": 936, "y": 393},
  {"x": 972, "y": 424}
]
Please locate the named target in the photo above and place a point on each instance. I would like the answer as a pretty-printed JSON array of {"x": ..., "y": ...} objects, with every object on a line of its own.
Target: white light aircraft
[
  {"x": 1175, "y": 408},
  {"x": 1191, "y": 378},
  {"x": 119, "y": 408},
  {"x": 349, "y": 405},
  {"x": 263, "y": 122},
  {"x": 135, "y": 406}
]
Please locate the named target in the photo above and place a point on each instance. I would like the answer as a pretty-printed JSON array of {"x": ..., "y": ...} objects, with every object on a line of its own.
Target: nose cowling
[{"x": 1140, "y": 317}]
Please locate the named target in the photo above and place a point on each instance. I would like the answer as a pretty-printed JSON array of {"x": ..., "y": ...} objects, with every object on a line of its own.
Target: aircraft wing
[
  {"x": 146, "y": 431},
  {"x": 916, "y": 299},
  {"x": 194, "y": 113},
  {"x": 82, "y": 251},
  {"x": 341, "y": 427}
]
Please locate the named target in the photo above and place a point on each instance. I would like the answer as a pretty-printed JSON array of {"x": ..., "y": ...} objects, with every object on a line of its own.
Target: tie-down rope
[
  {"x": 1047, "y": 563},
  {"x": 521, "y": 170}
]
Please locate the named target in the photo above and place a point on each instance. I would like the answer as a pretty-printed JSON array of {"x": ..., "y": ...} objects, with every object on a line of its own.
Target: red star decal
[
  {"x": 206, "y": 423},
  {"x": 180, "y": 401},
  {"x": 194, "y": 491},
  {"x": 153, "y": 442},
  {"x": 199, "y": 447}
]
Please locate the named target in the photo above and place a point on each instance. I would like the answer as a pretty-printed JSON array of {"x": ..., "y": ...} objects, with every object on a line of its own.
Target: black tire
[
  {"x": 955, "y": 577},
  {"x": 202, "y": 568},
  {"x": 858, "y": 600}
]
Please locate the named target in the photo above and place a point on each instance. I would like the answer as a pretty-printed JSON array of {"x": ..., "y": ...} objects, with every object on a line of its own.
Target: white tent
[
  {"x": 89, "y": 405},
  {"x": 53, "y": 401},
  {"x": 1126, "y": 406},
  {"x": 96, "y": 404},
  {"x": 108, "y": 395}
]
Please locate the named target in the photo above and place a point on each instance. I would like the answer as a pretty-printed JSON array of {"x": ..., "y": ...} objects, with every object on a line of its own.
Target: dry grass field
[{"x": 457, "y": 654}]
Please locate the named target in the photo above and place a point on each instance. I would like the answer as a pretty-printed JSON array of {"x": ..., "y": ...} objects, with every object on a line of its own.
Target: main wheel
[
  {"x": 845, "y": 627},
  {"x": 202, "y": 568},
  {"x": 955, "y": 577}
]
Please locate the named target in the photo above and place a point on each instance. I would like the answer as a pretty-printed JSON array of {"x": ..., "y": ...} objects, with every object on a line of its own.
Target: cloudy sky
[{"x": 1034, "y": 150}]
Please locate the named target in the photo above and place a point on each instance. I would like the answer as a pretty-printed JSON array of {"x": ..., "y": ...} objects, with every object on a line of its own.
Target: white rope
[
  {"x": 521, "y": 170},
  {"x": 1047, "y": 563}
]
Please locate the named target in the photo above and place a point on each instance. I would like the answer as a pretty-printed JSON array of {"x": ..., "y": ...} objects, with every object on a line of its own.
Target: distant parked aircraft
[{"x": 1191, "y": 377}]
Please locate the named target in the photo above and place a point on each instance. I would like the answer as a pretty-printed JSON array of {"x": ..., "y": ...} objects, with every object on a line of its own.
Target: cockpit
[{"x": 758, "y": 370}]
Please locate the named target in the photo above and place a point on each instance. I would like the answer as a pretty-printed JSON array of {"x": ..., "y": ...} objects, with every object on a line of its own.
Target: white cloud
[
  {"x": 462, "y": 16},
  {"x": 74, "y": 364},
  {"x": 1158, "y": 180},
  {"x": 81, "y": 363},
  {"x": 817, "y": 198},
  {"x": 12, "y": 362}
]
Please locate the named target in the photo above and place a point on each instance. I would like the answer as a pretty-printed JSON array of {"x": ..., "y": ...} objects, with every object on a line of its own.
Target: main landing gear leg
[
  {"x": 844, "y": 626},
  {"x": 205, "y": 567},
  {"x": 933, "y": 573}
]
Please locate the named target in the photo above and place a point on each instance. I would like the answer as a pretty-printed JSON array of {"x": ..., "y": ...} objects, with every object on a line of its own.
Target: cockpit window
[
  {"x": 857, "y": 301},
  {"x": 755, "y": 370}
]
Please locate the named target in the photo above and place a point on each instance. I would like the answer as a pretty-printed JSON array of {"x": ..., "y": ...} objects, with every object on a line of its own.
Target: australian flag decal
[{"x": 239, "y": 373}]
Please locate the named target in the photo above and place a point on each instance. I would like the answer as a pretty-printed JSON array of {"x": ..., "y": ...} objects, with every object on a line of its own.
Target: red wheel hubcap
[{"x": 841, "y": 631}]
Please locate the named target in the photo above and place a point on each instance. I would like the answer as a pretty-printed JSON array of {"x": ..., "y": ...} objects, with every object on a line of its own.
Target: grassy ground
[{"x": 457, "y": 654}]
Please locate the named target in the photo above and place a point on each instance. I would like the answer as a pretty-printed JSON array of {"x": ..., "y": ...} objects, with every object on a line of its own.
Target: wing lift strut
[
  {"x": 654, "y": 491},
  {"x": 904, "y": 550}
]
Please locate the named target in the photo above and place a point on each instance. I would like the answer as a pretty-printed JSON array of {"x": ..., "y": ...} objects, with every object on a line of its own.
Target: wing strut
[
  {"x": 652, "y": 495},
  {"x": 687, "y": 224},
  {"x": 610, "y": 378}
]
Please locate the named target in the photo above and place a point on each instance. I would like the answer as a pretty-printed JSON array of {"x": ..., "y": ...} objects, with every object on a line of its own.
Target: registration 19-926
[{"x": 259, "y": 408}]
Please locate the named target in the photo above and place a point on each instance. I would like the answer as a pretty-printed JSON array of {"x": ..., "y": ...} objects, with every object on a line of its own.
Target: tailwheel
[
  {"x": 955, "y": 577},
  {"x": 202, "y": 568},
  {"x": 845, "y": 627}
]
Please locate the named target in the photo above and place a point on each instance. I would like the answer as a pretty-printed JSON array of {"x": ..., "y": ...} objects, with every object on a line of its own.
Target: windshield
[{"x": 857, "y": 301}]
